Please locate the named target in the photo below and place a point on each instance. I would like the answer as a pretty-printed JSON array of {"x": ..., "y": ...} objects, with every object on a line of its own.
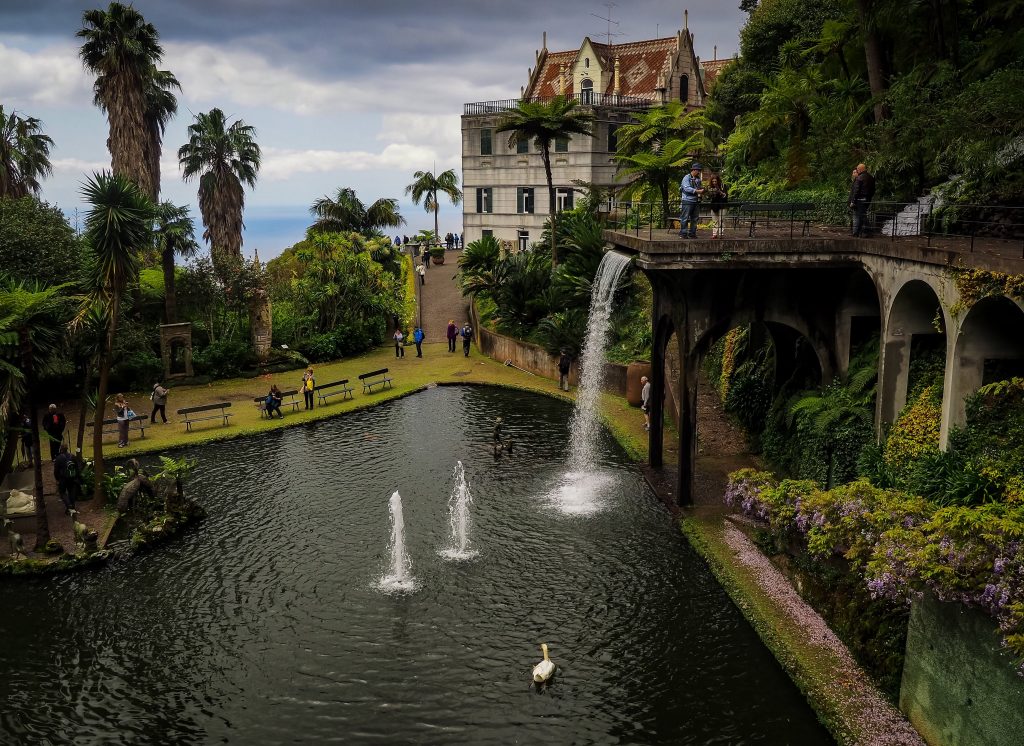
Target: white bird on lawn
[{"x": 546, "y": 668}]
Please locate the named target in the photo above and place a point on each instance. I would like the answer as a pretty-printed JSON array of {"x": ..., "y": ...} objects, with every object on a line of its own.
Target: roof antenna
[{"x": 609, "y": 21}]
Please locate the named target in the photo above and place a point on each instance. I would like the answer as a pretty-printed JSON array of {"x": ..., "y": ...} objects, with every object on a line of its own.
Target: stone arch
[
  {"x": 587, "y": 91},
  {"x": 858, "y": 316},
  {"x": 989, "y": 346},
  {"x": 915, "y": 311}
]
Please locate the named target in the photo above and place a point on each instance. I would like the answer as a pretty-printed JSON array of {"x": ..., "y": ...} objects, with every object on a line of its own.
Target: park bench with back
[
  {"x": 762, "y": 213},
  {"x": 135, "y": 424},
  {"x": 190, "y": 412},
  {"x": 375, "y": 378},
  {"x": 341, "y": 387},
  {"x": 288, "y": 398}
]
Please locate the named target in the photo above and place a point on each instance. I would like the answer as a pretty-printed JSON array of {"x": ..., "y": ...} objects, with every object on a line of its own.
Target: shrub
[
  {"x": 916, "y": 431},
  {"x": 224, "y": 359},
  {"x": 137, "y": 371}
]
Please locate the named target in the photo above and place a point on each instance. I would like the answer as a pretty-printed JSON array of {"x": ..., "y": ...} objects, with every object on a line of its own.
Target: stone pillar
[
  {"x": 687, "y": 424},
  {"x": 656, "y": 436},
  {"x": 893, "y": 375},
  {"x": 261, "y": 324},
  {"x": 176, "y": 350}
]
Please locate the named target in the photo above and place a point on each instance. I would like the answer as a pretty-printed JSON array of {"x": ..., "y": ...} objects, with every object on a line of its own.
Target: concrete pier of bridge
[{"x": 825, "y": 291}]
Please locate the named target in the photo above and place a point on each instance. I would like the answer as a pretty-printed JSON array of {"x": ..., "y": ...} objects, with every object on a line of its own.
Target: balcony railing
[{"x": 606, "y": 100}]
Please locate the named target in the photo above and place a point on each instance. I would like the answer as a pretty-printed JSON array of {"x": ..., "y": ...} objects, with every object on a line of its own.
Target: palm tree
[
  {"x": 544, "y": 122},
  {"x": 346, "y": 213},
  {"x": 29, "y": 324},
  {"x": 24, "y": 155},
  {"x": 122, "y": 50},
  {"x": 657, "y": 125},
  {"x": 117, "y": 226},
  {"x": 175, "y": 236},
  {"x": 224, "y": 157},
  {"x": 426, "y": 186},
  {"x": 655, "y": 170}
]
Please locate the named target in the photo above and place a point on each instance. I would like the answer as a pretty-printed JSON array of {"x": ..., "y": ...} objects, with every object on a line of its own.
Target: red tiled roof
[
  {"x": 640, "y": 65},
  {"x": 712, "y": 69}
]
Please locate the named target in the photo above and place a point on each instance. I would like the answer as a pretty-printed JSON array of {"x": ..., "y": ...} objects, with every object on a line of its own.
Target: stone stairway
[{"x": 440, "y": 298}]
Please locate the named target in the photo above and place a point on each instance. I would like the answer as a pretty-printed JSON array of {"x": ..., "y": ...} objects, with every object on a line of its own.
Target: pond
[{"x": 266, "y": 624}]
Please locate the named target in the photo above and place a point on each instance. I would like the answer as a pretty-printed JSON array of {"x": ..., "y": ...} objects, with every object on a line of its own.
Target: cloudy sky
[{"x": 341, "y": 92}]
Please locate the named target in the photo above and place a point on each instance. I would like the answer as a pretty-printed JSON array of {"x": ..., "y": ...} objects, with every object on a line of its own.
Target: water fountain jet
[
  {"x": 399, "y": 576},
  {"x": 458, "y": 515}
]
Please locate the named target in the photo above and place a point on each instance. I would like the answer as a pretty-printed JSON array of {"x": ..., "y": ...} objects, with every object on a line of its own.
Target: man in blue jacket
[
  {"x": 690, "y": 189},
  {"x": 417, "y": 337}
]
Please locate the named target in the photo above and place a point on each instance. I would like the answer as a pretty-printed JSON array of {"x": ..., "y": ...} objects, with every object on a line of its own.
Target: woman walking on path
[
  {"x": 308, "y": 385},
  {"x": 718, "y": 198},
  {"x": 124, "y": 415},
  {"x": 422, "y": 272},
  {"x": 453, "y": 334},
  {"x": 159, "y": 397},
  {"x": 399, "y": 338}
]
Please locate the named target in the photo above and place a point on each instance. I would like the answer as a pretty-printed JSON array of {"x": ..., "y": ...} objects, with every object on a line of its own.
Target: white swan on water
[{"x": 546, "y": 668}]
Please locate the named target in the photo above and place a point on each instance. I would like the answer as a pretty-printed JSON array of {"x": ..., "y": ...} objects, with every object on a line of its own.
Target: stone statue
[{"x": 139, "y": 482}]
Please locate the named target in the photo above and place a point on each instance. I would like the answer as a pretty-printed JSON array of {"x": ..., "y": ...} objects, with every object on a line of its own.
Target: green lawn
[{"x": 409, "y": 374}]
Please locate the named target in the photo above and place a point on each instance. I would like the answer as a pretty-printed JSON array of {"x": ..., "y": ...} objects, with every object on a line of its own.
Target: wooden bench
[
  {"x": 287, "y": 399},
  {"x": 136, "y": 423},
  {"x": 345, "y": 390},
  {"x": 381, "y": 376},
  {"x": 763, "y": 212},
  {"x": 221, "y": 414}
]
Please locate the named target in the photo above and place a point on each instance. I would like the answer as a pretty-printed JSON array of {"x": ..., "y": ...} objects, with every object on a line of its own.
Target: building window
[
  {"x": 484, "y": 201},
  {"x": 613, "y": 138},
  {"x": 523, "y": 145},
  {"x": 563, "y": 199},
  {"x": 684, "y": 88},
  {"x": 561, "y": 144},
  {"x": 485, "y": 142},
  {"x": 524, "y": 240},
  {"x": 587, "y": 91},
  {"x": 524, "y": 200},
  {"x": 586, "y": 62},
  {"x": 487, "y": 233}
]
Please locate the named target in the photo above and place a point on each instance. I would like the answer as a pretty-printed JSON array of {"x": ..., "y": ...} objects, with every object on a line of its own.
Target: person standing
[
  {"x": 159, "y": 397},
  {"x": 308, "y": 387},
  {"x": 453, "y": 333},
  {"x": 399, "y": 339},
  {"x": 458, "y": 241},
  {"x": 645, "y": 401},
  {"x": 863, "y": 191},
  {"x": 65, "y": 472},
  {"x": 717, "y": 197},
  {"x": 690, "y": 190},
  {"x": 53, "y": 425},
  {"x": 564, "y": 363},
  {"x": 422, "y": 272},
  {"x": 426, "y": 256},
  {"x": 398, "y": 240},
  {"x": 123, "y": 413},
  {"x": 417, "y": 337},
  {"x": 27, "y": 451},
  {"x": 467, "y": 338}
]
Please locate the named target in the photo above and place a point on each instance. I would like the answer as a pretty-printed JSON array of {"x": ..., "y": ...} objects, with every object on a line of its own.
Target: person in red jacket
[{"x": 54, "y": 424}]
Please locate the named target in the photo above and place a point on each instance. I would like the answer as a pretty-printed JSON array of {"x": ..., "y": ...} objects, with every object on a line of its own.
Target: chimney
[
  {"x": 716, "y": 52},
  {"x": 544, "y": 41},
  {"x": 561, "y": 80},
  {"x": 616, "y": 88}
]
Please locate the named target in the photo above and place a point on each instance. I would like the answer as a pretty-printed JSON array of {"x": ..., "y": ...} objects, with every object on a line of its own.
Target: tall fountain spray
[
  {"x": 458, "y": 516},
  {"x": 399, "y": 575},
  {"x": 578, "y": 493}
]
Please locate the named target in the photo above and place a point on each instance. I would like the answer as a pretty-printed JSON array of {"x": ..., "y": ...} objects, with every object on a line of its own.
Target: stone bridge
[{"x": 831, "y": 291}]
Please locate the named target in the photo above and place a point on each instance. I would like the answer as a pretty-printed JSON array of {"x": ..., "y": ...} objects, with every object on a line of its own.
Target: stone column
[
  {"x": 656, "y": 435},
  {"x": 261, "y": 325},
  {"x": 687, "y": 423}
]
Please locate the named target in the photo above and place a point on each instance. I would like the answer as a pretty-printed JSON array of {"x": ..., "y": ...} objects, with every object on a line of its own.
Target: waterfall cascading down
[
  {"x": 458, "y": 515},
  {"x": 399, "y": 575},
  {"x": 576, "y": 495}
]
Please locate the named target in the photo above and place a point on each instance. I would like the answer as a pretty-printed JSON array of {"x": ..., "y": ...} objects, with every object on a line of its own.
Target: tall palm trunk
[
  {"x": 10, "y": 444},
  {"x": 42, "y": 524},
  {"x": 170, "y": 297},
  {"x": 545, "y": 156},
  {"x": 437, "y": 230},
  {"x": 873, "y": 56},
  {"x": 101, "y": 400},
  {"x": 83, "y": 408}
]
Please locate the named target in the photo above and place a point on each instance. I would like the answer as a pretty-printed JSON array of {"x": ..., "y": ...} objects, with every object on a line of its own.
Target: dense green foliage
[
  {"x": 521, "y": 294},
  {"x": 36, "y": 242},
  {"x": 918, "y": 91}
]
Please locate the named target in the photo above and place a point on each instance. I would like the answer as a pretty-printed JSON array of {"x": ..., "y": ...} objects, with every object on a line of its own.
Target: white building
[{"x": 505, "y": 190}]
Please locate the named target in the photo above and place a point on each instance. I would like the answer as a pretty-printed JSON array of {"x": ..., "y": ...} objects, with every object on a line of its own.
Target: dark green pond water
[{"x": 265, "y": 623}]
